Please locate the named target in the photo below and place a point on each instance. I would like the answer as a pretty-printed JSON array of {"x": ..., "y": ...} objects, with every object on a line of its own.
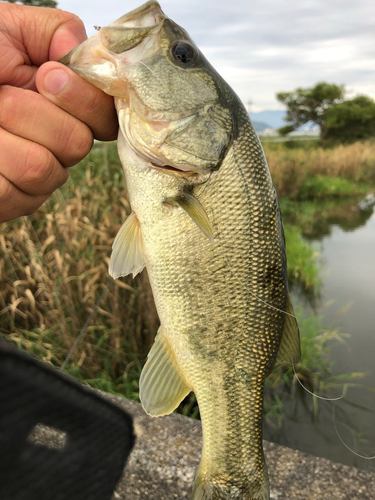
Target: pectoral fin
[
  {"x": 196, "y": 211},
  {"x": 289, "y": 350},
  {"x": 127, "y": 249},
  {"x": 161, "y": 386}
]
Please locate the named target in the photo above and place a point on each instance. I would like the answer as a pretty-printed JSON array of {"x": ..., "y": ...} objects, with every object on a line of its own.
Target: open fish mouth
[
  {"x": 169, "y": 168},
  {"x": 123, "y": 42}
]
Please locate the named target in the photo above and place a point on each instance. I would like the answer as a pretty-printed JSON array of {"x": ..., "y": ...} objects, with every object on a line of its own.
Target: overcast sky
[{"x": 261, "y": 47}]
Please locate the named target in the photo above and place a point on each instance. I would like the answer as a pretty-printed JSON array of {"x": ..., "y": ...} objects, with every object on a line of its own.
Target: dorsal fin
[
  {"x": 290, "y": 349},
  {"x": 127, "y": 249},
  {"x": 195, "y": 210}
]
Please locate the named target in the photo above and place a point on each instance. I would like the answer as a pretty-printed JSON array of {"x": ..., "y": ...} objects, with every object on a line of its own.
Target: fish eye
[{"x": 183, "y": 53}]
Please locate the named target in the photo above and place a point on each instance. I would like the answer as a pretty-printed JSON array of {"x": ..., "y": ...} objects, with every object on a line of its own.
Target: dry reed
[
  {"x": 54, "y": 266},
  {"x": 291, "y": 167}
]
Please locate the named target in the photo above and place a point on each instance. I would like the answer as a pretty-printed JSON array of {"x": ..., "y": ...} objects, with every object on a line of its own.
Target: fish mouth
[
  {"x": 101, "y": 58},
  {"x": 169, "y": 168}
]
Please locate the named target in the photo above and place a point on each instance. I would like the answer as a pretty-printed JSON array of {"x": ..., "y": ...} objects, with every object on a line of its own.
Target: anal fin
[
  {"x": 127, "y": 249},
  {"x": 161, "y": 386}
]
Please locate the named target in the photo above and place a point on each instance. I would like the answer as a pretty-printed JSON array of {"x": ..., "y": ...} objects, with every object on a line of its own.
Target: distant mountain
[
  {"x": 273, "y": 118},
  {"x": 260, "y": 126}
]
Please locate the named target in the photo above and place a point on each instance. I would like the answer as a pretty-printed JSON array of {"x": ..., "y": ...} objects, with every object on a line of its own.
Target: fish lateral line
[{"x": 256, "y": 296}]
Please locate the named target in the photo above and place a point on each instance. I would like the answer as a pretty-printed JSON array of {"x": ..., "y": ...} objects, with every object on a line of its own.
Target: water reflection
[{"x": 345, "y": 236}]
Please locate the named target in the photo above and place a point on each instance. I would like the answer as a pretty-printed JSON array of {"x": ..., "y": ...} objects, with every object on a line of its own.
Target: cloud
[{"x": 264, "y": 46}]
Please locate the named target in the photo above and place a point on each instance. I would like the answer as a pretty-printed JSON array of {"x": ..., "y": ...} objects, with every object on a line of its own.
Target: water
[{"x": 346, "y": 241}]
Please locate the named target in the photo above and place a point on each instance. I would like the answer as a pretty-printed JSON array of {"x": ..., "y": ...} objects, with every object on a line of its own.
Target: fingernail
[{"x": 55, "y": 81}]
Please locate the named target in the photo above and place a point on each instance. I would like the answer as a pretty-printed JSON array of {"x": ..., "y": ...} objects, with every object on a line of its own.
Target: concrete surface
[
  {"x": 163, "y": 463},
  {"x": 167, "y": 452}
]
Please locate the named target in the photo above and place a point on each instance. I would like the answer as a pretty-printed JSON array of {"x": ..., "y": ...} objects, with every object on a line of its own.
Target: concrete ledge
[{"x": 167, "y": 452}]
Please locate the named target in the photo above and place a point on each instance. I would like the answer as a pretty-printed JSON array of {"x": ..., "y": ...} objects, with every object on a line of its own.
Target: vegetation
[
  {"x": 351, "y": 120},
  {"x": 339, "y": 120},
  {"x": 303, "y": 265},
  {"x": 53, "y": 268},
  {"x": 310, "y": 104},
  {"x": 345, "y": 170}
]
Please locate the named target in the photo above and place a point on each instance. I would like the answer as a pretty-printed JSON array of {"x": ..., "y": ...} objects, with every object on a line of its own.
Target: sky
[{"x": 262, "y": 47}]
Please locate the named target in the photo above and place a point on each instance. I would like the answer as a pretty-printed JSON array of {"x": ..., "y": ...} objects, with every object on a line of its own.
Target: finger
[
  {"x": 31, "y": 116},
  {"x": 14, "y": 202},
  {"x": 29, "y": 167},
  {"x": 31, "y": 37},
  {"x": 70, "y": 92},
  {"x": 45, "y": 33}
]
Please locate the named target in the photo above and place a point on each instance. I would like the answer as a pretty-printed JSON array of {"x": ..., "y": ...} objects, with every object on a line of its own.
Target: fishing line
[
  {"x": 343, "y": 442},
  {"x": 312, "y": 394},
  {"x": 333, "y": 416},
  {"x": 85, "y": 326},
  {"x": 254, "y": 295}
]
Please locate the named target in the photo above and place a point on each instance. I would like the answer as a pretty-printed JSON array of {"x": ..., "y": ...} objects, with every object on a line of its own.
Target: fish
[{"x": 206, "y": 223}]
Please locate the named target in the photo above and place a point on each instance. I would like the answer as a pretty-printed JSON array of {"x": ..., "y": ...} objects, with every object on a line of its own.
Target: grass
[
  {"x": 307, "y": 172},
  {"x": 303, "y": 261},
  {"x": 54, "y": 268}
]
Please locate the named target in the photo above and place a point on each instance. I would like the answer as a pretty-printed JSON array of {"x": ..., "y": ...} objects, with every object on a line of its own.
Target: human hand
[{"x": 48, "y": 115}]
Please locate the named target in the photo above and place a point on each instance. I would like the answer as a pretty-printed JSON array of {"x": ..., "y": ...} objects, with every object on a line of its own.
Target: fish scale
[
  {"x": 207, "y": 225},
  {"x": 193, "y": 291}
]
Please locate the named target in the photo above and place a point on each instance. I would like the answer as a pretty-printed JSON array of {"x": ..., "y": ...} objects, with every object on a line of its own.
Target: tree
[
  {"x": 36, "y": 3},
  {"x": 310, "y": 104},
  {"x": 351, "y": 120}
]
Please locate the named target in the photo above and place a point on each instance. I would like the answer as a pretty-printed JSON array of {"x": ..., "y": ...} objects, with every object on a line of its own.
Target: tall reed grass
[
  {"x": 54, "y": 267},
  {"x": 292, "y": 168}
]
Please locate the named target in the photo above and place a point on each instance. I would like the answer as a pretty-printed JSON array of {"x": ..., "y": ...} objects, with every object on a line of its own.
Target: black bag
[{"x": 90, "y": 450}]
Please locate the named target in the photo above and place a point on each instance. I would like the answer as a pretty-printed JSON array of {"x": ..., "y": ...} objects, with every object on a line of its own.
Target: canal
[{"x": 344, "y": 236}]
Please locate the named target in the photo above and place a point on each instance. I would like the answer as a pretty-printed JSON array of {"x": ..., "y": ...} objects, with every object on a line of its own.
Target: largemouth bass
[{"x": 207, "y": 225}]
